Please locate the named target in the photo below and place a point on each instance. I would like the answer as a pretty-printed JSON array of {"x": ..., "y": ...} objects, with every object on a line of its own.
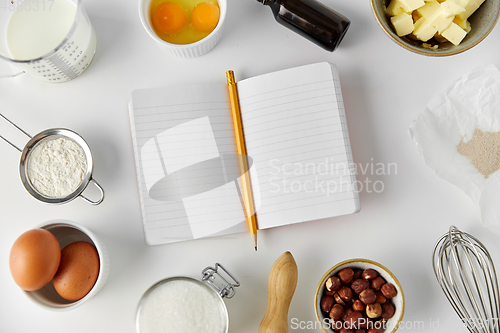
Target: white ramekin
[
  {"x": 192, "y": 50},
  {"x": 67, "y": 232}
]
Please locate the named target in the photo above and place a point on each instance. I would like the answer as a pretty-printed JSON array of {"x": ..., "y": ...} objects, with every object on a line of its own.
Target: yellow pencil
[{"x": 243, "y": 161}]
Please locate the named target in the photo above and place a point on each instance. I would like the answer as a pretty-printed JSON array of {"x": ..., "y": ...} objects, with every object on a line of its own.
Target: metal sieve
[{"x": 51, "y": 134}]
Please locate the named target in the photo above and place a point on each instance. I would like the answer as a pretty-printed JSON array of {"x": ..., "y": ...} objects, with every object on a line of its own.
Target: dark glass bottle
[{"x": 312, "y": 20}]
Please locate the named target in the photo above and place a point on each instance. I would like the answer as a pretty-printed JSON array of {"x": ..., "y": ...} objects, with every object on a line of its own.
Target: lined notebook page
[
  {"x": 296, "y": 134},
  {"x": 184, "y": 148}
]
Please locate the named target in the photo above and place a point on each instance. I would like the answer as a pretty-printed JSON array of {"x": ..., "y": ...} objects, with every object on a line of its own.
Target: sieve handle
[
  {"x": 8, "y": 76},
  {"x": 95, "y": 203},
  {"x": 19, "y": 128}
]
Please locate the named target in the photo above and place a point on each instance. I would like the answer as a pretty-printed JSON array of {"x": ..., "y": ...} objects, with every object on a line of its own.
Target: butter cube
[
  {"x": 451, "y": 8},
  {"x": 470, "y": 8},
  {"x": 429, "y": 9},
  {"x": 464, "y": 24},
  {"x": 411, "y": 5},
  {"x": 461, "y": 3},
  {"x": 394, "y": 8},
  {"x": 403, "y": 23},
  {"x": 433, "y": 13},
  {"x": 441, "y": 22},
  {"x": 424, "y": 29},
  {"x": 454, "y": 34},
  {"x": 445, "y": 20}
]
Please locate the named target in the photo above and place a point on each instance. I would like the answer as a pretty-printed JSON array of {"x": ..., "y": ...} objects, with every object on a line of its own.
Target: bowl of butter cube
[{"x": 437, "y": 27}]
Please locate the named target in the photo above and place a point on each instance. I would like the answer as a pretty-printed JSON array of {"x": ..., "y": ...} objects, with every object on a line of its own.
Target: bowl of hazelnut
[{"x": 359, "y": 296}]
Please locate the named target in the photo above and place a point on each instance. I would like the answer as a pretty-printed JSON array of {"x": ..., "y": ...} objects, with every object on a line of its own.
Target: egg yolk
[
  {"x": 205, "y": 16},
  {"x": 169, "y": 17}
]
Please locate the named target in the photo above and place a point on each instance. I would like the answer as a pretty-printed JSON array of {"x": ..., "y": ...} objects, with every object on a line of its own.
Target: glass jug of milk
[{"x": 52, "y": 40}]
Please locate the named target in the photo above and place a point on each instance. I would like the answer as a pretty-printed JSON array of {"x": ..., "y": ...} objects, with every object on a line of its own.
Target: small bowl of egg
[
  {"x": 59, "y": 264},
  {"x": 185, "y": 28}
]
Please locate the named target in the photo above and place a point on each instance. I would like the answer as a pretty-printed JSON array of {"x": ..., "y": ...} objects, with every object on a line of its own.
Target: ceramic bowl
[
  {"x": 192, "y": 50},
  {"x": 398, "y": 302},
  {"x": 67, "y": 232},
  {"x": 482, "y": 22}
]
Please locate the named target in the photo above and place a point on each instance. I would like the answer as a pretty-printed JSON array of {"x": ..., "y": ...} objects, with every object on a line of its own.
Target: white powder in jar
[
  {"x": 182, "y": 306},
  {"x": 56, "y": 167}
]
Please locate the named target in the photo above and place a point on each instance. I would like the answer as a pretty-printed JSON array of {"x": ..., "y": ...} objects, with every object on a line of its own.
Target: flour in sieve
[{"x": 57, "y": 167}]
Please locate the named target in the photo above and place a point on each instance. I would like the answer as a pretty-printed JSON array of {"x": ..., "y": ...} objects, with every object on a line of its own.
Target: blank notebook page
[
  {"x": 182, "y": 136},
  {"x": 296, "y": 135}
]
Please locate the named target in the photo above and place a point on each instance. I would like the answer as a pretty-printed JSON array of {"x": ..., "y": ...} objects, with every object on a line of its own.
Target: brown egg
[
  {"x": 78, "y": 271},
  {"x": 34, "y": 259}
]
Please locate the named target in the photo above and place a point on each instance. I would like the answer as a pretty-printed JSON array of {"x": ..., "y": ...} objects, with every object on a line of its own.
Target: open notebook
[{"x": 300, "y": 160}]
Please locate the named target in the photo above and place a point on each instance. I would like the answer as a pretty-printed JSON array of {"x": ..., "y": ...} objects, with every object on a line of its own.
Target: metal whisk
[{"x": 466, "y": 273}]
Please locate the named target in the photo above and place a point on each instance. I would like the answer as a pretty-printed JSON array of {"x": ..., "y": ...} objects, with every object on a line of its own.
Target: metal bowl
[{"x": 50, "y": 134}]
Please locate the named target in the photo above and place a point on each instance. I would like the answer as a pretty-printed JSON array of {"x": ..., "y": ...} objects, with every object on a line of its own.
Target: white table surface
[{"x": 384, "y": 89}]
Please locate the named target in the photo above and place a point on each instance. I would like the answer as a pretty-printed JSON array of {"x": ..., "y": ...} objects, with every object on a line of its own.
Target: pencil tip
[{"x": 256, "y": 248}]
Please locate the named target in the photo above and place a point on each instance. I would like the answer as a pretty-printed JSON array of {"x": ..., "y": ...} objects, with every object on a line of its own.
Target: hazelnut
[
  {"x": 336, "y": 312},
  {"x": 377, "y": 283},
  {"x": 347, "y": 313},
  {"x": 337, "y": 299},
  {"x": 380, "y": 298},
  {"x": 387, "y": 310},
  {"x": 367, "y": 296},
  {"x": 352, "y": 320},
  {"x": 369, "y": 274},
  {"x": 329, "y": 293},
  {"x": 346, "y": 330},
  {"x": 388, "y": 290},
  {"x": 357, "y": 274},
  {"x": 358, "y": 305},
  {"x": 357, "y": 301},
  {"x": 327, "y": 303},
  {"x": 359, "y": 285},
  {"x": 336, "y": 324},
  {"x": 373, "y": 310},
  {"x": 365, "y": 321},
  {"x": 378, "y": 324},
  {"x": 346, "y": 275},
  {"x": 345, "y": 293},
  {"x": 332, "y": 283}
]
